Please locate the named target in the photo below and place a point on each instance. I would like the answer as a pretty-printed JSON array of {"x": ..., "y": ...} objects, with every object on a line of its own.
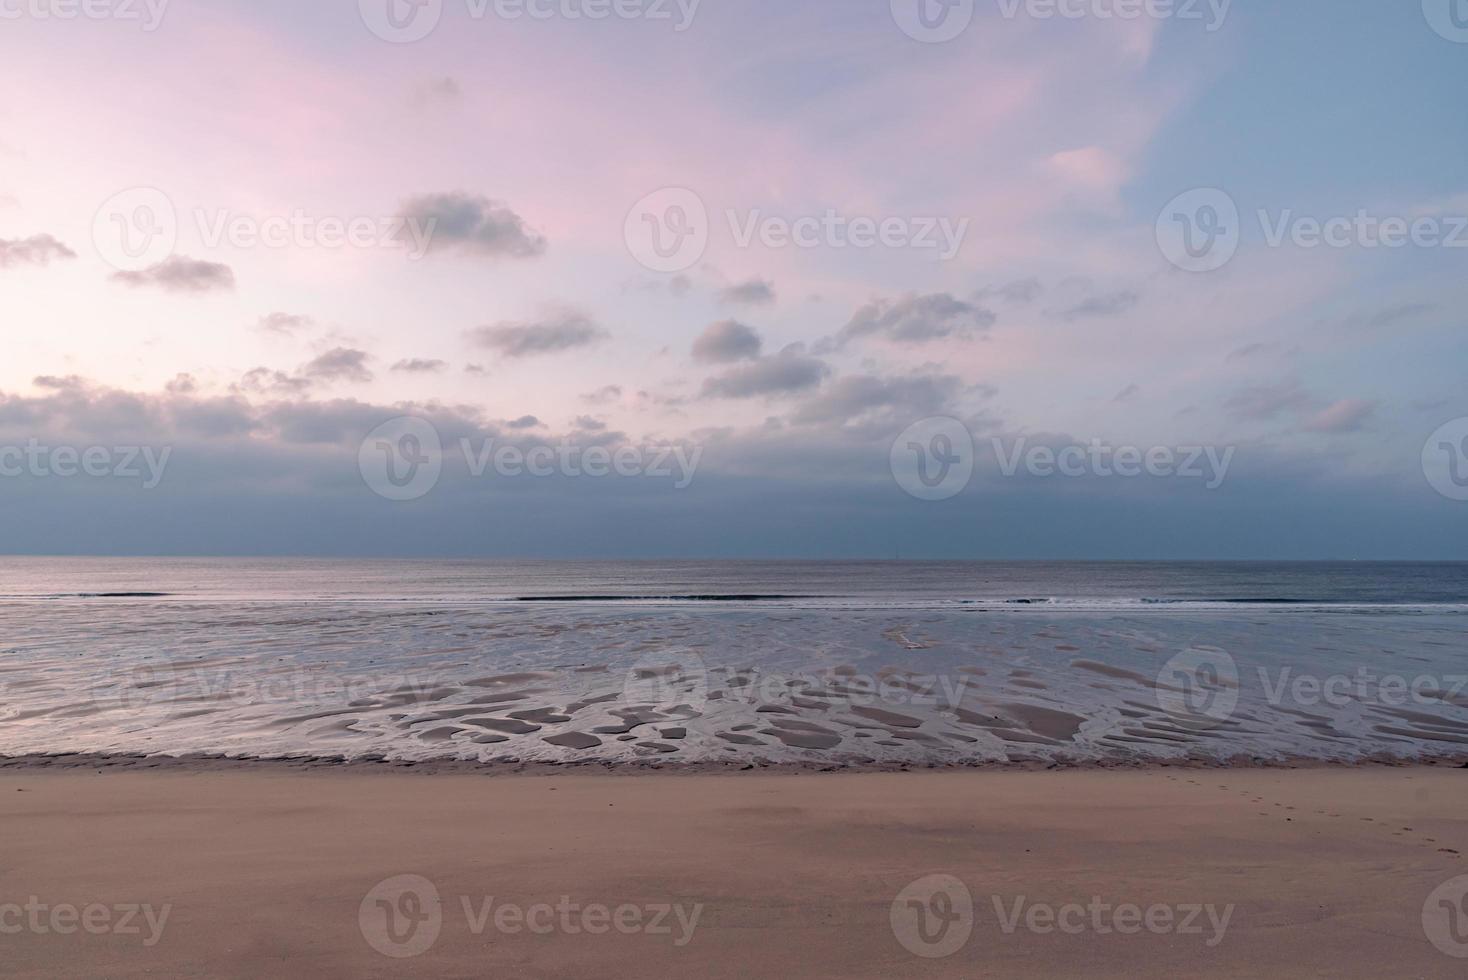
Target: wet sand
[{"x": 268, "y": 871}]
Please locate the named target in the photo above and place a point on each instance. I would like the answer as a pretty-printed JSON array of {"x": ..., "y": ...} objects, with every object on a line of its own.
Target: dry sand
[{"x": 268, "y": 873}]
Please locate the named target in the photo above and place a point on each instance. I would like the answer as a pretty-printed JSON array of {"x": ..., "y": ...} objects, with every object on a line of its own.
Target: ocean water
[{"x": 826, "y": 663}]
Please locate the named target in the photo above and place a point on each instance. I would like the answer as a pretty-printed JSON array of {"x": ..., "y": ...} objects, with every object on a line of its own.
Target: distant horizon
[{"x": 451, "y": 559}]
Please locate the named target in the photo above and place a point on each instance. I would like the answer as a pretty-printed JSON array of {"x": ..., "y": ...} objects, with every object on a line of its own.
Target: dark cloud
[
  {"x": 787, "y": 372},
  {"x": 1127, "y": 393},
  {"x": 339, "y": 364},
  {"x": 889, "y": 400},
  {"x": 1389, "y": 317},
  {"x": 181, "y": 274},
  {"x": 473, "y": 224},
  {"x": 752, "y": 292},
  {"x": 1100, "y": 305},
  {"x": 264, "y": 381},
  {"x": 36, "y": 250},
  {"x": 915, "y": 319},
  {"x": 726, "y": 341},
  {"x": 419, "y": 365},
  {"x": 559, "y": 332},
  {"x": 286, "y": 324},
  {"x": 524, "y": 422},
  {"x": 283, "y": 477},
  {"x": 586, "y": 423},
  {"x": 1020, "y": 292}
]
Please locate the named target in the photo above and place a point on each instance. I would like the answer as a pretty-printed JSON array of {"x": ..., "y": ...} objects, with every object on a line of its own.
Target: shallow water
[{"x": 850, "y": 674}]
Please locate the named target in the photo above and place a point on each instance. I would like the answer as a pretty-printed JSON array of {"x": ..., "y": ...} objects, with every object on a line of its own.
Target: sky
[{"x": 734, "y": 278}]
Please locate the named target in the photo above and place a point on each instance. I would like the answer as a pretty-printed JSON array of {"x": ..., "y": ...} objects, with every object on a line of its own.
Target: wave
[
  {"x": 91, "y": 595},
  {"x": 713, "y": 597},
  {"x": 849, "y": 601}
]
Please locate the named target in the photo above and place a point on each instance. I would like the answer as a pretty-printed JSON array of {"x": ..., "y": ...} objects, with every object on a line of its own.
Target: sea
[{"x": 827, "y": 664}]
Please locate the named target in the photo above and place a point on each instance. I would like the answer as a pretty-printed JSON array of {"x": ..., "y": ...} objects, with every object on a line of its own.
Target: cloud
[
  {"x": 523, "y": 422},
  {"x": 477, "y": 225},
  {"x": 1346, "y": 415},
  {"x": 726, "y": 341},
  {"x": 561, "y": 331},
  {"x": 872, "y": 398},
  {"x": 1267, "y": 401},
  {"x": 277, "y": 476},
  {"x": 1019, "y": 292},
  {"x": 286, "y": 324},
  {"x": 181, "y": 274},
  {"x": 1388, "y": 317},
  {"x": 604, "y": 395},
  {"x": 1092, "y": 175},
  {"x": 1103, "y": 304},
  {"x": 36, "y": 250},
  {"x": 915, "y": 319},
  {"x": 752, "y": 292},
  {"x": 1251, "y": 350},
  {"x": 418, "y": 365},
  {"x": 339, "y": 364},
  {"x": 1127, "y": 393},
  {"x": 444, "y": 89},
  {"x": 264, "y": 381},
  {"x": 789, "y": 371}
]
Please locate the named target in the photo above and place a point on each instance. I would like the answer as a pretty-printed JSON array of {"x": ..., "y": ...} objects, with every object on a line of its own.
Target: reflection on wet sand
[{"x": 834, "y": 687}]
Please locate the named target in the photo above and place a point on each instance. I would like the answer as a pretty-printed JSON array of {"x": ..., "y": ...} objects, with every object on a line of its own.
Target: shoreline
[{"x": 211, "y": 762}]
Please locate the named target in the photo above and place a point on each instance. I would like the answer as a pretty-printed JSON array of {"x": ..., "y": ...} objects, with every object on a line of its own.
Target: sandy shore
[{"x": 1163, "y": 872}]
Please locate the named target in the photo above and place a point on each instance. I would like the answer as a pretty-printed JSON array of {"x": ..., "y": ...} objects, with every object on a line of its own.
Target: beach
[
  {"x": 230, "y": 768},
  {"x": 233, "y": 870}
]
